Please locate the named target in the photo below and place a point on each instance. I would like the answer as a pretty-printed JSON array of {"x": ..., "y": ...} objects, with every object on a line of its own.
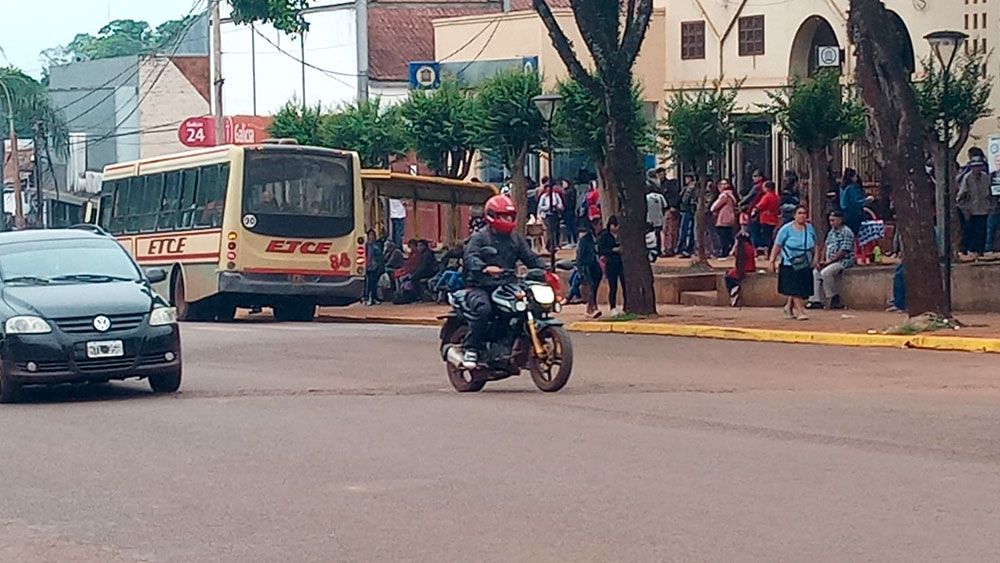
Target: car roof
[{"x": 36, "y": 235}]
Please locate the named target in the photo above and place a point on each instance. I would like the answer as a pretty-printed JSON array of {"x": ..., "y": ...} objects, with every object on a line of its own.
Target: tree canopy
[
  {"x": 285, "y": 15},
  {"x": 442, "y": 126},
  {"x": 699, "y": 125},
  {"x": 33, "y": 105},
  {"x": 814, "y": 112},
  {"x": 967, "y": 102},
  {"x": 118, "y": 38},
  {"x": 375, "y": 132},
  {"x": 293, "y": 121},
  {"x": 581, "y": 121}
]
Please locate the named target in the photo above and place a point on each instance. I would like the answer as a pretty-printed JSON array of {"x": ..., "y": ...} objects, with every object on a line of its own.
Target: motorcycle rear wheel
[
  {"x": 463, "y": 380},
  {"x": 552, "y": 373}
]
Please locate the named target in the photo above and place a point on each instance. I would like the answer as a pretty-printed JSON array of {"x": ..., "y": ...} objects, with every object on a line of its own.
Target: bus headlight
[
  {"x": 543, "y": 294},
  {"x": 163, "y": 316}
]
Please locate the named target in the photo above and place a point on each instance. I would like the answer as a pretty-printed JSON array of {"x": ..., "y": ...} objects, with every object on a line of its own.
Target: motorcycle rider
[{"x": 483, "y": 272}]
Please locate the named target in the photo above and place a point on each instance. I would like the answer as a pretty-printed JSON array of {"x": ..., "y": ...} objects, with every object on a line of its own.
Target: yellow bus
[{"x": 271, "y": 225}]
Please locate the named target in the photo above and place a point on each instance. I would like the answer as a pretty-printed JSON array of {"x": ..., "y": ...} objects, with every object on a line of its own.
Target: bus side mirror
[{"x": 156, "y": 275}]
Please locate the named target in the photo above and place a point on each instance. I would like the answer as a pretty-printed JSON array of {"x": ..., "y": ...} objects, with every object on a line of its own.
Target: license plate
[{"x": 105, "y": 349}]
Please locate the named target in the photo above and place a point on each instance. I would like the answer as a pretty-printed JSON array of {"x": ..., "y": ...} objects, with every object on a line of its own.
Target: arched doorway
[
  {"x": 814, "y": 33},
  {"x": 906, "y": 54}
]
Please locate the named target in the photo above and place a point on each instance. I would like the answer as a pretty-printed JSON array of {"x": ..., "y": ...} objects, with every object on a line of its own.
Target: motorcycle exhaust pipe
[{"x": 453, "y": 355}]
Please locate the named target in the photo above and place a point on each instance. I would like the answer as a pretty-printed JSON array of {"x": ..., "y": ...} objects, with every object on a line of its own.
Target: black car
[{"x": 75, "y": 307}]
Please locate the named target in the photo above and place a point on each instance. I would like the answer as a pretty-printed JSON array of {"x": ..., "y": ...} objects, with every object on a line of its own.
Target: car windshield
[{"x": 66, "y": 261}]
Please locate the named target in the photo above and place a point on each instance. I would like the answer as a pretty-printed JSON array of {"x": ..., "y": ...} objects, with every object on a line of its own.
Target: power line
[
  {"x": 152, "y": 85},
  {"x": 178, "y": 40},
  {"x": 473, "y": 38},
  {"x": 330, "y": 73},
  {"x": 481, "y": 50}
]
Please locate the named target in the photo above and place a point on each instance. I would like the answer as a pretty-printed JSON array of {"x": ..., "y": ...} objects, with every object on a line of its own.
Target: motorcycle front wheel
[
  {"x": 551, "y": 372},
  {"x": 463, "y": 380}
]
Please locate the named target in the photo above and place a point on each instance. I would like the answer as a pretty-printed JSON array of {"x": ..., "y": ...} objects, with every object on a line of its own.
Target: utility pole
[
  {"x": 37, "y": 174},
  {"x": 302, "y": 45},
  {"x": 14, "y": 154},
  {"x": 220, "y": 135},
  {"x": 361, "y": 13}
]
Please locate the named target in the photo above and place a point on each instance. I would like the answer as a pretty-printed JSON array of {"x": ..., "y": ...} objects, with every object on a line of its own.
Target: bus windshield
[{"x": 298, "y": 194}]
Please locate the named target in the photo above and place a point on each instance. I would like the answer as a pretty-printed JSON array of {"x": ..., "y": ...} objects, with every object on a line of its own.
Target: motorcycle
[
  {"x": 522, "y": 334},
  {"x": 652, "y": 245}
]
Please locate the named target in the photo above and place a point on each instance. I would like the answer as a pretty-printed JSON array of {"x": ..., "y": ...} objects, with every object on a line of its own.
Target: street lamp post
[
  {"x": 946, "y": 45},
  {"x": 547, "y": 105}
]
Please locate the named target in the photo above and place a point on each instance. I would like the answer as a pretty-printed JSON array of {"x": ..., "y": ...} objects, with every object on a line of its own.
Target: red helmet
[{"x": 501, "y": 214}]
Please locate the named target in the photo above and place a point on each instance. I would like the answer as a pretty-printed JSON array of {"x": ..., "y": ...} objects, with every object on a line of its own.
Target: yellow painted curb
[{"x": 991, "y": 345}]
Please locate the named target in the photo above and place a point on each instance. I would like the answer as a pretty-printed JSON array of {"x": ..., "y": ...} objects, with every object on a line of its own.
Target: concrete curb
[
  {"x": 418, "y": 321},
  {"x": 921, "y": 342}
]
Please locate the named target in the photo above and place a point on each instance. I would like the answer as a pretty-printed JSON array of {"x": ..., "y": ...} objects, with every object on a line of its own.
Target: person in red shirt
[
  {"x": 768, "y": 213},
  {"x": 593, "y": 201},
  {"x": 746, "y": 263}
]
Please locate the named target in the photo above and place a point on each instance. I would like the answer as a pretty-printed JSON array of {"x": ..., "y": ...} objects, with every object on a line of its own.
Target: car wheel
[
  {"x": 10, "y": 391},
  {"x": 168, "y": 383},
  {"x": 185, "y": 311}
]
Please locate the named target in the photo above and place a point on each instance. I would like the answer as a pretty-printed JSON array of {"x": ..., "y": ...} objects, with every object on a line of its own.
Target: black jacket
[
  {"x": 609, "y": 247},
  {"x": 586, "y": 253},
  {"x": 510, "y": 249}
]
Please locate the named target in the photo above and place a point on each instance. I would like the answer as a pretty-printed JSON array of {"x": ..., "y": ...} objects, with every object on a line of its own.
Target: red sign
[
  {"x": 238, "y": 130},
  {"x": 291, "y": 246},
  {"x": 197, "y": 132}
]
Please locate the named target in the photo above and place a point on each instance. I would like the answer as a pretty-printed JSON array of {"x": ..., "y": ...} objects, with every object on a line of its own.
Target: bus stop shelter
[{"x": 436, "y": 205}]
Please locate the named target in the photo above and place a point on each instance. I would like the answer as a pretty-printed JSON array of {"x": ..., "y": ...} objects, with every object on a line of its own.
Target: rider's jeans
[{"x": 478, "y": 311}]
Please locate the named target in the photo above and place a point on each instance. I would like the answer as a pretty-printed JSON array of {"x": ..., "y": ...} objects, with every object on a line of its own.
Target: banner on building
[{"x": 238, "y": 130}]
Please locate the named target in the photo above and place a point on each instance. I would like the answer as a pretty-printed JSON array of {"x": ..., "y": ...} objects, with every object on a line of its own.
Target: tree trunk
[
  {"x": 519, "y": 191},
  {"x": 609, "y": 195},
  {"x": 818, "y": 163},
  {"x": 895, "y": 130},
  {"x": 700, "y": 261},
  {"x": 627, "y": 179}
]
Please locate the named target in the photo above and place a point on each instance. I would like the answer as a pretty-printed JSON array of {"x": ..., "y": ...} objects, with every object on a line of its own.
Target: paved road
[{"x": 343, "y": 443}]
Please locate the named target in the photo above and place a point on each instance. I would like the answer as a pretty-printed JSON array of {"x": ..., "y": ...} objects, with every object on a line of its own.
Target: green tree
[
  {"x": 293, "y": 121},
  {"x": 696, "y": 130},
  {"x": 896, "y": 129},
  {"x": 375, "y": 132},
  {"x": 968, "y": 101},
  {"x": 443, "y": 128},
  {"x": 581, "y": 122},
  {"x": 285, "y": 15},
  {"x": 511, "y": 127},
  {"x": 814, "y": 112},
  {"x": 613, "y": 33},
  {"x": 32, "y": 106}
]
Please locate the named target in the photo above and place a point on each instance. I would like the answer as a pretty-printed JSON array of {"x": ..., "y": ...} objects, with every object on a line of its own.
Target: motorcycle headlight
[
  {"x": 520, "y": 306},
  {"x": 27, "y": 324},
  {"x": 543, "y": 294},
  {"x": 163, "y": 316}
]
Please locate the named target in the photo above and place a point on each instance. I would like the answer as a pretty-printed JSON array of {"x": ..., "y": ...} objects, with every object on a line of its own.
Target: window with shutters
[
  {"x": 751, "y": 37},
  {"x": 693, "y": 40}
]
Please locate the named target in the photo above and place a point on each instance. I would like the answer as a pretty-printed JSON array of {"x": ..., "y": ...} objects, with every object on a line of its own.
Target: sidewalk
[{"x": 847, "y": 328}]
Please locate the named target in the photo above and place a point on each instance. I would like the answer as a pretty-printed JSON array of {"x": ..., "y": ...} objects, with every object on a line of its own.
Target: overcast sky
[{"x": 30, "y": 26}]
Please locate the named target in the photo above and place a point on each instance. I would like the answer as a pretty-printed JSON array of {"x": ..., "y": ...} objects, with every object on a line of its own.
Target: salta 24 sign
[{"x": 238, "y": 129}]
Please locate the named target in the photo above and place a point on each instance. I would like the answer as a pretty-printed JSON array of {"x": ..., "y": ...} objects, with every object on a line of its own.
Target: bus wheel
[
  {"x": 301, "y": 311},
  {"x": 185, "y": 311}
]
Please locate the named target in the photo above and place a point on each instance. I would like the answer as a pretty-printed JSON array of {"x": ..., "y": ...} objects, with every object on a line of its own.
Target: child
[{"x": 745, "y": 264}]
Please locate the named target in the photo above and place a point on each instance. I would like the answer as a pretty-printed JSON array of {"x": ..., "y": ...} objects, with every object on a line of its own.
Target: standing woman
[
  {"x": 796, "y": 252},
  {"x": 587, "y": 265},
  {"x": 724, "y": 209},
  {"x": 852, "y": 200},
  {"x": 767, "y": 211},
  {"x": 610, "y": 250}
]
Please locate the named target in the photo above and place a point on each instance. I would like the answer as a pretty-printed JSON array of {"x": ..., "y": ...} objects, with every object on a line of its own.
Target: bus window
[
  {"x": 149, "y": 200},
  {"x": 119, "y": 207},
  {"x": 171, "y": 201},
  {"x": 106, "y": 204},
  {"x": 211, "y": 195},
  {"x": 132, "y": 205},
  {"x": 307, "y": 195},
  {"x": 189, "y": 185}
]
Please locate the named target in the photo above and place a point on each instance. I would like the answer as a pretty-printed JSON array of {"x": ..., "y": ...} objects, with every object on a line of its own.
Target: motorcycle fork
[{"x": 535, "y": 342}]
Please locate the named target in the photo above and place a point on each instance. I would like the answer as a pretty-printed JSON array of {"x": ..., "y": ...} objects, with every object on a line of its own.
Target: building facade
[{"x": 765, "y": 44}]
